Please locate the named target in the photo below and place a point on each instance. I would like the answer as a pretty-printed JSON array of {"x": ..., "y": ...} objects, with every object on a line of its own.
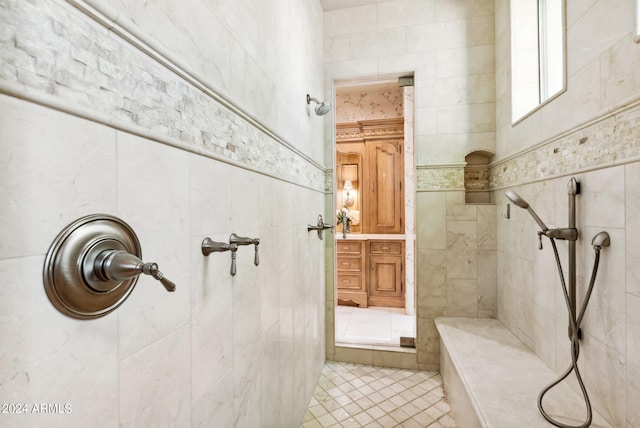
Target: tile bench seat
[{"x": 492, "y": 379}]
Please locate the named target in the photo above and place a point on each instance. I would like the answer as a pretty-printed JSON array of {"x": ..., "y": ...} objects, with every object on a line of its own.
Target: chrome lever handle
[
  {"x": 210, "y": 246},
  {"x": 233, "y": 264},
  {"x": 152, "y": 269},
  {"x": 241, "y": 240},
  {"x": 113, "y": 265}
]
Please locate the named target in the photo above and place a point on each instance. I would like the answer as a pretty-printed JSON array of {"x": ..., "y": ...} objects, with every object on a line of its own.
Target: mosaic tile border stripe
[
  {"x": 54, "y": 57},
  {"x": 439, "y": 178},
  {"x": 611, "y": 140}
]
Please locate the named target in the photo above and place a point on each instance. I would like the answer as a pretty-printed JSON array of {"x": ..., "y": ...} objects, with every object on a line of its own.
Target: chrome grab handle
[
  {"x": 118, "y": 265},
  {"x": 210, "y": 246},
  {"x": 321, "y": 226},
  {"x": 241, "y": 240}
]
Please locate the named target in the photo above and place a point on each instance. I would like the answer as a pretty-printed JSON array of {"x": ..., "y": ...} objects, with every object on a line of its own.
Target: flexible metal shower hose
[{"x": 574, "y": 326}]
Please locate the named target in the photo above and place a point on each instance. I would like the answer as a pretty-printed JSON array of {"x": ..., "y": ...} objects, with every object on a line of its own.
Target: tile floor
[
  {"x": 356, "y": 395},
  {"x": 374, "y": 325}
]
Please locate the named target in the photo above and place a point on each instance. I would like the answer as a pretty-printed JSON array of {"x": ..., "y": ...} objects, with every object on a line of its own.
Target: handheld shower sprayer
[{"x": 516, "y": 199}]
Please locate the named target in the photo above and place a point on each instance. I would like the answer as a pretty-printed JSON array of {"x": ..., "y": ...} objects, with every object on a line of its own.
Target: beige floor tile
[{"x": 355, "y": 395}]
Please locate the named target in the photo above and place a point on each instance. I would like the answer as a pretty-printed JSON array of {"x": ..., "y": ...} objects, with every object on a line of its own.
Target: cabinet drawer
[
  {"x": 349, "y": 264},
  {"x": 349, "y": 247},
  {"x": 350, "y": 281},
  {"x": 385, "y": 247}
]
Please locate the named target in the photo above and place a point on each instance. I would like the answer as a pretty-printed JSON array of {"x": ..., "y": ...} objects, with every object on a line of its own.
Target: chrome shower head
[
  {"x": 516, "y": 199},
  {"x": 322, "y": 108}
]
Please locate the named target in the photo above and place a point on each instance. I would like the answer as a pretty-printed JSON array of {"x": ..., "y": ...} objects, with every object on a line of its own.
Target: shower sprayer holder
[{"x": 93, "y": 265}]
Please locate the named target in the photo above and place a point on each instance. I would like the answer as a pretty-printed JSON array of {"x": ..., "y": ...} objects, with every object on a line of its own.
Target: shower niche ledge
[{"x": 476, "y": 178}]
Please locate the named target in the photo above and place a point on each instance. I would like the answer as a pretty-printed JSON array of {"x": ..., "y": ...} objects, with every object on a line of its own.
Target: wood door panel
[
  {"x": 384, "y": 207},
  {"x": 385, "y": 276}
]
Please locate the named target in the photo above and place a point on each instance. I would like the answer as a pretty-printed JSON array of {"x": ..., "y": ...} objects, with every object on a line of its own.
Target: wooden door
[{"x": 384, "y": 209}]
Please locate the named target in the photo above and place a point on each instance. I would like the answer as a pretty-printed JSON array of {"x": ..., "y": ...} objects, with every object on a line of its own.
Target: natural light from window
[{"x": 537, "y": 54}]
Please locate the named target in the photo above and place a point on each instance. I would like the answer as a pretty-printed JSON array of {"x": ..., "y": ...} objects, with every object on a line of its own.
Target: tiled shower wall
[
  {"x": 590, "y": 132},
  {"x": 162, "y": 119},
  {"x": 449, "y": 45}
]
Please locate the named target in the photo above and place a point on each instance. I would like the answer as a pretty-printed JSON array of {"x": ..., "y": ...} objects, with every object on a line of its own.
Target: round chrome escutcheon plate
[{"x": 69, "y": 278}]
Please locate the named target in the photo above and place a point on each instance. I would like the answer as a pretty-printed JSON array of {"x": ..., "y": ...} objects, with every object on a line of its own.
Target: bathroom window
[{"x": 537, "y": 54}]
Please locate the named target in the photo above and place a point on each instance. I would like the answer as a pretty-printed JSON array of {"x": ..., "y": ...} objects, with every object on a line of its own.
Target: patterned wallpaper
[{"x": 379, "y": 101}]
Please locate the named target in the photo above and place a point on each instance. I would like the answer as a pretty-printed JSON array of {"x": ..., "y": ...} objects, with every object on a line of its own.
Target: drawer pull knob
[{"x": 385, "y": 248}]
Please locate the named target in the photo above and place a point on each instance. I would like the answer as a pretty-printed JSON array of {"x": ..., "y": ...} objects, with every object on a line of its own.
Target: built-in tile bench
[{"x": 492, "y": 379}]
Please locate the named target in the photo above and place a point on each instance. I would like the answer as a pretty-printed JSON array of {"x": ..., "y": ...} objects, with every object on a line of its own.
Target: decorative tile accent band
[
  {"x": 46, "y": 49},
  {"x": 439, "y": 178},
  {"x": 612, "y": 140}
]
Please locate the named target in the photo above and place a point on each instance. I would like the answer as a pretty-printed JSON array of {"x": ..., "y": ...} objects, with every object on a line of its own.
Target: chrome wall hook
[
  {"x": 240, "y": 240},
  {"x": 209, "y": 246},
  {"x": 93, "y": 265},
  {"x": 320, "y": 226}
]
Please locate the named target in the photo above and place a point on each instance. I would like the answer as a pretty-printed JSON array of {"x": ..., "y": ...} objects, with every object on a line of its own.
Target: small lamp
[{"x": 348, "y": 200}]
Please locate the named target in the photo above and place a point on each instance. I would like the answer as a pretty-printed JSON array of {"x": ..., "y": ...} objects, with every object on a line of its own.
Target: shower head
[
  {"x": 322, "y": 108},
  {"x": 516, "y": 199}
]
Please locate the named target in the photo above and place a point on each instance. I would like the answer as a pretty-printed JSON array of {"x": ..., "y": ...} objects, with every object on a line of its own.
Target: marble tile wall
[
  {"x": 219, "y": 351},
  {"x": 530, "y": 300},
  {"x": 591, "y": 133},
  {"x": 449, "y": 47}
]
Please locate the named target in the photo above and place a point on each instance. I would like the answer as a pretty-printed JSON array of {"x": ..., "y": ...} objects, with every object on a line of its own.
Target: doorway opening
[{"x": 375, "y": 213}]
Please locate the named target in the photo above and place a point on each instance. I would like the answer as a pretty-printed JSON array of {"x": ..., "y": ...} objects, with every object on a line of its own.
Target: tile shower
[
  {"x": 590, "y": 132},
  {"x": 131, "y": 119},
  {"x": 189, "y": 122}
]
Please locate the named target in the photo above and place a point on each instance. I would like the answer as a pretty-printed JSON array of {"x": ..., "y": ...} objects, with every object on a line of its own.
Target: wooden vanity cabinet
[
  {"x": 351, "y": 272},
  {"x": 386, "y": 273},
  {"x": 370, "y": 154}
]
